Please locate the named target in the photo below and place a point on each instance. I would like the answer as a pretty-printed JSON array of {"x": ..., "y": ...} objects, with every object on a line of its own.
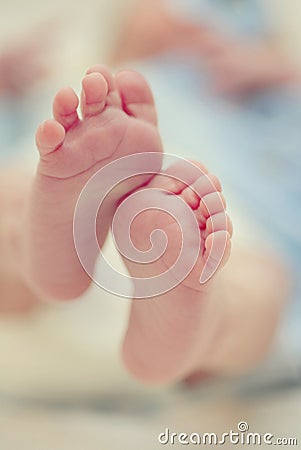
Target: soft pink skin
[
  {"x": 168, "y": 335},
  {"x": 119, "y": 119},
  {"x": 223, "y": 327}
]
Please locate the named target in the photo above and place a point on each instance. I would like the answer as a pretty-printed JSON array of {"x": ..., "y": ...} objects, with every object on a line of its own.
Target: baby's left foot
[{"x": 118, "y": 120}]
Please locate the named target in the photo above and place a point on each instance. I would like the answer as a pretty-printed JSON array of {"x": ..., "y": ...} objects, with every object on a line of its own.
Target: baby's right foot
[
  {"x": 171, "y": 334},
  {"x": 119, "y": 119}
]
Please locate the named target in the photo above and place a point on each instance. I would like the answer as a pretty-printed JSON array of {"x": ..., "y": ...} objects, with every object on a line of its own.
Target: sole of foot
[{"x": 118, "y": 119}]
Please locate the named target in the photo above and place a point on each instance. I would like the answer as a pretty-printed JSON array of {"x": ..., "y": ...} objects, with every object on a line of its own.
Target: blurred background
[{"x": 226, "y": 78}]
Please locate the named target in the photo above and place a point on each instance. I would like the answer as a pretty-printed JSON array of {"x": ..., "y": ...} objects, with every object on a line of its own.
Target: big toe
[{"x": 136, "y": 95}]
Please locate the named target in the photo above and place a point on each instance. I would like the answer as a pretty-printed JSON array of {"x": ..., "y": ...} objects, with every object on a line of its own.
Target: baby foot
[
  {"x": 176, "y": 325},
  {"x": 118, "y": 119},
  {"x": 207, "y": 206}
]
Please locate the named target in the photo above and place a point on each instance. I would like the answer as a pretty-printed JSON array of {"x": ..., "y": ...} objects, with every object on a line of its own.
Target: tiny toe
[
  {"x": 49, "y": 137},
  {"x": 219, "y": 222},
  {"x": 200, "y": 218},
  {"x": 191, "y": 198},
  {"x": 136, "y": 95},
  {"x": 65, "y": 106},
  {"x": 206, "y": 184},
  {"x": 212, "y": 204},
  {"x": 95, "y": 89},
  {"x": 186, "y": 171},
  {"x": 167, "y": 183},
  {"x": 113, "y": 97},
  {"x": 105, "y": 72},
  {"x": 217, "y": 250}
]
